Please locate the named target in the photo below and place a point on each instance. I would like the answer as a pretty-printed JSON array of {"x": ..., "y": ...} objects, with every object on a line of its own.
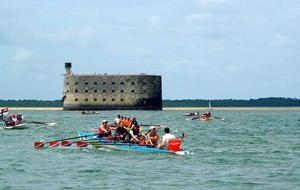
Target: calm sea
[{"x": 248, "y": 150}]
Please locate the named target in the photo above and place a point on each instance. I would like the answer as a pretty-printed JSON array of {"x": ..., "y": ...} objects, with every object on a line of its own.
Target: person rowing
[
  {"x": 206, "y": 116},
  {"x": 104, "y": 130},
  {"x": 169, "y": 141},
  {"x": 121, "y": 133},
  {"x": 152, "y": 137},
  {"x": 135, "y": 133}
]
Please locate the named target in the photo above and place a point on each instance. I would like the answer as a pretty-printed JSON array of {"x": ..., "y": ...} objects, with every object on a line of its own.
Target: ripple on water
[{"x": 249, "y": 150}]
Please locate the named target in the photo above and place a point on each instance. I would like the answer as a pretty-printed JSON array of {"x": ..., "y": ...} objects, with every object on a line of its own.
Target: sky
[{"x": 203, "y": 49}]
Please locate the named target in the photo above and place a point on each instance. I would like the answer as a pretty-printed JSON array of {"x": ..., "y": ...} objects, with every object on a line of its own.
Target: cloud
[
  {"x": 21, "y": 55},
  {"x": 197, "y": 19},
  {"x": 280, "y": 40},
  {"x": 154, "y": 20},
  {"x": 83, "y": 35},
  {"x": 211, "y": 1}
]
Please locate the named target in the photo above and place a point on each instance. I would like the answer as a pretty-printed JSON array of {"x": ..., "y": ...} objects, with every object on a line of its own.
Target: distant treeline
[
  {"x": 261, "y": 102},
  {"x": 30, "y": 103}
]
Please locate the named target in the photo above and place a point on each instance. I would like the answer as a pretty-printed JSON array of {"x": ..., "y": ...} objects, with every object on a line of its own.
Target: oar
[
  {"x": 193, "y": 118},
  {"x": 53, "y": 143},
  {"x": 217, "y": 117},
  {"x": 144, "y": 125},
  {"x": 40, "y": 122}
]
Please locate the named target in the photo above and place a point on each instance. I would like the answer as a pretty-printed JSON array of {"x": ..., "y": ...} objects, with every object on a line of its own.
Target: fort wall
[{"x": 111, "y": 92}]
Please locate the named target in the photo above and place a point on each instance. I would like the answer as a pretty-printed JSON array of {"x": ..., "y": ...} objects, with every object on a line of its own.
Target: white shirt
[
  {"x": 117, "y": 120},
  {"x": 167, "y": 137}
]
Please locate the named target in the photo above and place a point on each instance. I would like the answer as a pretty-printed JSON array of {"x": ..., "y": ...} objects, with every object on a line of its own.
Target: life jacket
[
  {"x": 203, "y": 117},
  {"x": 99, "y": 130},
  {"x": 142, "y": 140},
  {"x": 174, "y": 144}
]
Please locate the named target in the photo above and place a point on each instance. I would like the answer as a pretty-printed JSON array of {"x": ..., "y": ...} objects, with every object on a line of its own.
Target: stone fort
[{"x": 111, "y": 91}]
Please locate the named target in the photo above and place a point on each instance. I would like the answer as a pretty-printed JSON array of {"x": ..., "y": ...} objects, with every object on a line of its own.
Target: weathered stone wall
[{"x": 108, "y": 92}]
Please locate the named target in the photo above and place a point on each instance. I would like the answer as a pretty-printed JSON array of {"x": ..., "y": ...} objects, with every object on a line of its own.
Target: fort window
[
  {"x": 122, "y": 83},
  {"x": 76, "y": 91},
  {"x": 95, "y": 91},
  {"x": 67, "y": 91},
  {"x": 67, "y": 83},
  {"x": 104, "y": 99},
  {"x": 104, "y": 83},
  {"x": 112, "y": 90},
  {"x": 144, "y": 101},
  {"x": 95, "y": 83},
  {"x": 95, "y": 99},
  {"x": 103, "y": 91},
  {"x": 122, "y": 100},
  {"x": 132, "y": 91},
  {"x": 113, "y": 83},
  {"x": 86, "y": 91},
  {"x": 76, "y": 83},
  {"x": 144, "y": 83},
  {"x": 86, "y": 99},
  {"x": 132, "y": 83},
  {"x": 86, "y": 83},
  {"x": 113, "y": 99},
  {"x": 145, "y": 90},
  {"x": 76, "y": 99},
  {"x": 122, "y": 91}
]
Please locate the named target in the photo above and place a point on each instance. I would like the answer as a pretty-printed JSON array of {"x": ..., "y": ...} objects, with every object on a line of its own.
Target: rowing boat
[
  {"x": 115, "y": 145},
  {"x": 18, "y": 126}
]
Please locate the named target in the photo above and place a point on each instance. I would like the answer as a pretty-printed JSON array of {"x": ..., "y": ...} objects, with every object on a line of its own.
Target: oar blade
[
  {"x": 66, "y": 143},
  {"x": 39, "y": 144},
  {"x": 53, "y": 143},
  {"x": 82, "y": 144}
]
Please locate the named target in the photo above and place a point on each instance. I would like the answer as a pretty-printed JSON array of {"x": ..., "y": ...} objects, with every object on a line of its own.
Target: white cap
[
  {"x": 104, "y": 121},
  {"x": 152, "y": 127}
]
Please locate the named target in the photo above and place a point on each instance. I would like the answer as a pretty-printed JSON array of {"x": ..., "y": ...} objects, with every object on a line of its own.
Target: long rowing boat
[
  {"x": 115, "y": 145},
  {"x": 18, "y": 126}
]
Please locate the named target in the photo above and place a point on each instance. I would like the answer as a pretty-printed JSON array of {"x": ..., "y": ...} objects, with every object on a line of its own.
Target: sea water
[{"x": 248, "y": 150}]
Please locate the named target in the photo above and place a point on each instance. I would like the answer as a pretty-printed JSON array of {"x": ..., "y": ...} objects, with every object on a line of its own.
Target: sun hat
[
  {"x": 104, "y": 121},
  {"x": 152, "y": 127}
]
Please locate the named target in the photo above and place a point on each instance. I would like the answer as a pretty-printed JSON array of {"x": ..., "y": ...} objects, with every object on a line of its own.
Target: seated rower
[
  {"x": 104, "y": 130},
  {"x": 152, "y": 137},
  {"x": 135, "y": 133},
  {"x": 167, "y": 138}
]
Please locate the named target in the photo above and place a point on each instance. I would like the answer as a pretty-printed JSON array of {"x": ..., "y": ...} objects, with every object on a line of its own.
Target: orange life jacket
[{"x": 174, "y": 144}]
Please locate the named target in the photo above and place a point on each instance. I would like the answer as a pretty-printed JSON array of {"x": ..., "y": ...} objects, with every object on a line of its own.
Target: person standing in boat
[
  {"x": 104, "y": 130},
  {"x": 165, "y": 138},
  {"x": 117, "y": 120}
]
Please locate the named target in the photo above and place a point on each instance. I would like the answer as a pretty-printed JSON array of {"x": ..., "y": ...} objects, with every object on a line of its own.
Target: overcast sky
[{"x": 206, "y": 49}]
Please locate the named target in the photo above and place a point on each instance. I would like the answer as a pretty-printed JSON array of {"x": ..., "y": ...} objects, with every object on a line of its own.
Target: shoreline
[{"x": 170, "y": 108}]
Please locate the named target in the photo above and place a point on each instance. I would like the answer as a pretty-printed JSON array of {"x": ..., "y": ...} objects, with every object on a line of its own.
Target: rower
[
  {"x": 169, "y": 141},
  {"x": 152, "y": 137},
  {"x": 104, "y": 130},
  {"x": 121, "y": 133},
  {"x": 135, "y": 133}
]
